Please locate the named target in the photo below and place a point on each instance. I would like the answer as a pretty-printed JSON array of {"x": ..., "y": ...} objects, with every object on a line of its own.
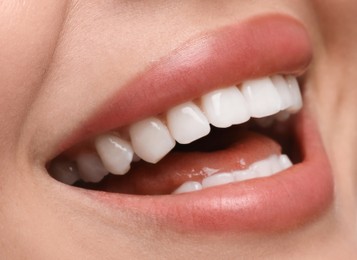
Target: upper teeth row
[{"x": 152, "y": 138}]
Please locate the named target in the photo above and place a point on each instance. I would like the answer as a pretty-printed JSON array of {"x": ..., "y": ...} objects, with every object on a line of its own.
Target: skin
[{"x": 68, "y": 57}]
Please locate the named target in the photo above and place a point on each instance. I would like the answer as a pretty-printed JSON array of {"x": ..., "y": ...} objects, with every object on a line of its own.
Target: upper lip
[
  {"x": 261, "y": 46},
  {"x": 264, "y": 45}
]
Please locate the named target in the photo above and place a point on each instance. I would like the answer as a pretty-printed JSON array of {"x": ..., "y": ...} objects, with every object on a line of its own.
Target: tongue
[{"x": 178, "y": 167}]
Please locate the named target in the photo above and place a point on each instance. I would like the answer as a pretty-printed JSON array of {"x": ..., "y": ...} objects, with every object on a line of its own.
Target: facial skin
[{"x": 60, "y": 58}]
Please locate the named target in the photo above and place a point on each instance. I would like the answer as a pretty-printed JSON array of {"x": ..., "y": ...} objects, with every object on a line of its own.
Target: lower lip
[{"x": 286, "y": 200}]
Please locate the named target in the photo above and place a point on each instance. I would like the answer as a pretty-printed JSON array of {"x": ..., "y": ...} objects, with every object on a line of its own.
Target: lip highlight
[{"x": 261, "y": 46}]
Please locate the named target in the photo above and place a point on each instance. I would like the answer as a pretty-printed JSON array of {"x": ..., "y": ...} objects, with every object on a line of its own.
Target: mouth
[{"x": 216, "y": 137}]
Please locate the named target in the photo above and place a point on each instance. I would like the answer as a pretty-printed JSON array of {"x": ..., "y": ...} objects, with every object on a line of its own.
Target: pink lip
[{"x": 260, "y": 46}]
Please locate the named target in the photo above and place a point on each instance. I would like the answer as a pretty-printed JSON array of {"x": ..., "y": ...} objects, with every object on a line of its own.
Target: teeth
[
  {"x": 116, "y": 153},
  {"x": 261, "y": 168},
  {"x": 276, "y": 164},
  {"x": 265, "y": 99},
  {"x": 285, "y": 161},
  {"x": 90, "y": 167},
  {"x": 187, "y": 123},
  {"x": 225, "y": 107},
  {"x": 281, "y": 86},
  {"x": 188, "y": 186},
  {"x": 296, "y": 94},
  {"x": 262, "y": 97},
  {"x": 264, "y": 168},
  {"x": 64, "y": 171},
  {"x": 243, "y": 175},
  {"x": 217, "y": 179},
  {"x": 151, "y": 139}
]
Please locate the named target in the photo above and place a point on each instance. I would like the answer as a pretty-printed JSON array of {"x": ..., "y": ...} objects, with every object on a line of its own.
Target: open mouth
[
  {"x": 226, "y": 151},
  {"x": 148, "y": 161}
]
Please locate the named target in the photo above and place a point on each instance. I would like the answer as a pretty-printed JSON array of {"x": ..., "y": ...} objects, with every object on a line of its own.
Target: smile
[{"x": 214, "y": 136}]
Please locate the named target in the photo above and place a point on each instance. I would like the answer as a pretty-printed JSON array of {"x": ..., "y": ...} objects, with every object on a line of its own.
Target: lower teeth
[{"x": 264, "y": 168}]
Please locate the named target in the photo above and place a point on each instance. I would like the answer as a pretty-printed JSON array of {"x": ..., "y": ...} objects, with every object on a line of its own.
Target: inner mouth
[{"x": 255, "y": 142}]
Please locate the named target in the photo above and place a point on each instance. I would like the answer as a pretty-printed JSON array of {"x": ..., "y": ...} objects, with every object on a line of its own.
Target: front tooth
[
  {"x": 225, "y": 107},
  {"x": 188, "y": 186},
  {"x": 90, "y": 167},
  {"x": 64, "y": 171},
  {"x": 187, "y": 123},
  {"x": 116, "y": 153},
  {"x": 262, "y": 97},
  {"x": 217, "y": 179},
  {"x": 282, "y": 87},
  {"x": 151, "y": 139},
  {"x": 295, "y": 93}
]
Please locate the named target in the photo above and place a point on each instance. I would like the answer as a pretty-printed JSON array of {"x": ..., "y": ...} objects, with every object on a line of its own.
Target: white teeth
[
  {"x": 187, "y": 123},
  {"x": 151, "y": 139},
  {"x": 90, "y": 167},
  {"x": 261, "y": 168},
  {"x": 64, "y": 171},
  {"x": 262, "y": 97},
  {"x": 225, "y": 107},
  {"x": 265, "y": 99},
  {"x": 275, "y": 163},
  {"x": 264, "y": 168},
  {"x": 281, "y": 86},
  {"x": 243, "y": 175},
  {"x": 295, "y": 93},
  {"x": 285, "y": 161},
  {"x": 188, "y": 186},
  {"x": 116, "y": 153},
  {"x": 217, "y": 179}
]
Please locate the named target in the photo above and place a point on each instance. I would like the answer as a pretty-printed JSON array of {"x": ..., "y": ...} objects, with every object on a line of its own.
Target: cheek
[{"x": 29, "y": 31}]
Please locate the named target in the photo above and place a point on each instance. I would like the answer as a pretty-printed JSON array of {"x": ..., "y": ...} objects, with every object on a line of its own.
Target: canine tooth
[
  {"x": 282, "y": 87},
  {"x": 217, "y": 179},
  {"x": 225, "y": 107},
  {"x": 262, "y": 97},
  {"x": 295, "y": 92},
  {"x": 188, "y": 186},
  {"x": 187, "y": 123},
  {"x": 90, "y": 167},
  {"x": 285, "y": 161},
  {"x": 64, "y": 171},
  {"x": 151, "y": 139},
  {"x": 116, "y": 153}
]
